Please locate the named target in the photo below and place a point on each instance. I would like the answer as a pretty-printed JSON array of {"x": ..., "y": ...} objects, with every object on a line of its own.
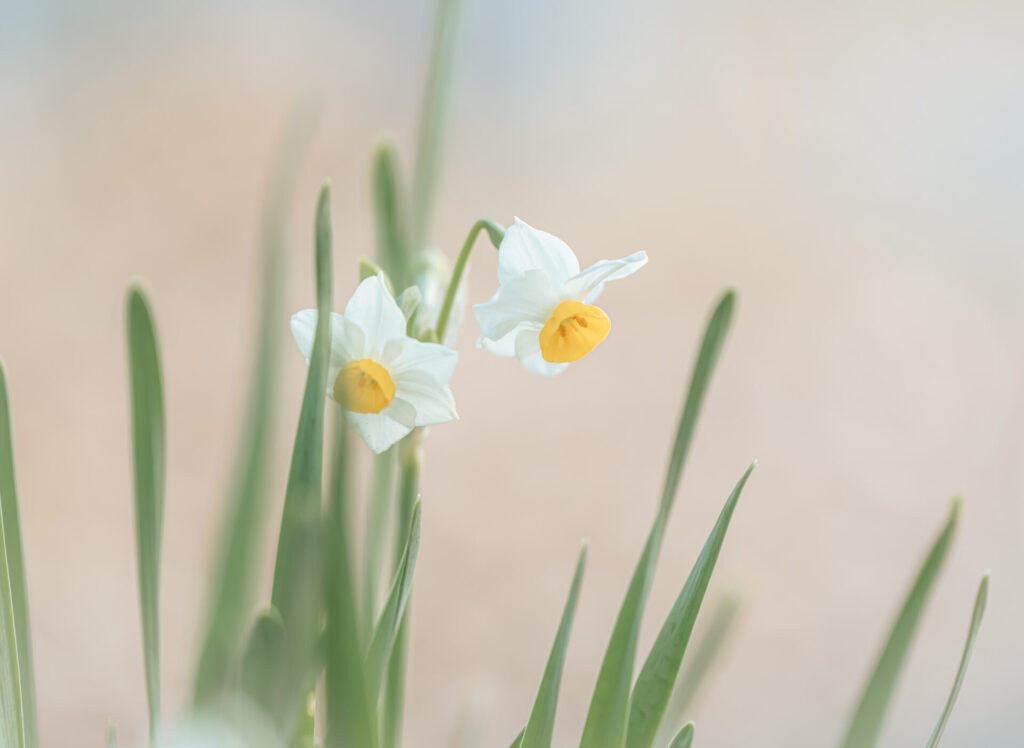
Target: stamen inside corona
[
  {"x": 364, "y": 386},
  {"x": 573, "y": 330}
]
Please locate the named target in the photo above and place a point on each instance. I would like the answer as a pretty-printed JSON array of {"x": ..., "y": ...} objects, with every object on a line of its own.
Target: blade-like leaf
[
  {"x": 542, "y": 718},
  {"x": 683, "y": 738},
  {"x": 12, "y": 718},
  {"x": 16, "y": 568},
  {"x": 389, "y": 214},
  {"x": 375, "y": 543},
  {"x": 972, "y": 634},
  {"x": 394, "y": 687},
  {"x": 149, "y": 451},
  {"x": 658, "y": 676},
  {"x": 697, "y": 667},
  {"x": 262, "y": 662},
  {"x": 519, "y": 739},
  {"x": 235, "y": 575},
  {"x": 394, "y": 610},
  {"x": 866, "y": 724},
  {"x": 606, "y": 718},
  {"x": 435, "y": 109},
  {"x": 350, "y": 716}
]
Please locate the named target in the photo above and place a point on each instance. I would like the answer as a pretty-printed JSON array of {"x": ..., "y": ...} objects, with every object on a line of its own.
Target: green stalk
[
  {"x": 496, "y": 234},
  {"x": 394, "y": 693},
  {"x": 376, "y": 524}
]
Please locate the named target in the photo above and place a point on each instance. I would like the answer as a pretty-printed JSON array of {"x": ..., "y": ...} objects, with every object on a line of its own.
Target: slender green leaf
[
  {"x": 432, "y": 120},
  {"x": 111, "y": 735},
  {"x": 234, "y": 578},
  {"x": 263, "y": 662},
  {"x": 697, "y": 667},
  {"x": 972, "y": 634},
  {"x": 375, "y": 543},
  {"x": 149, "y": 451},
  {"x": 866, "y": 725},
  {"x": 350, "y": 716},
  {"x": 12, "y": 718},
  {"x": 15, "y": 562},
  {"x": 606, "y": 718},
  {"x": 683, "y": 738},
  {"x": 519, "y": 739},
  {"x": 391, "y": 616},
  {"x": 658, "y": 676},
  {"x": 394, "y": 689},
  {"x": 389, "y": 215},
  {"x": 541, "y": 724}
]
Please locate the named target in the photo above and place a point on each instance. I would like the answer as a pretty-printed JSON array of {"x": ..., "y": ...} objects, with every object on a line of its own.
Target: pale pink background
[{"x": 853, "y": 169}]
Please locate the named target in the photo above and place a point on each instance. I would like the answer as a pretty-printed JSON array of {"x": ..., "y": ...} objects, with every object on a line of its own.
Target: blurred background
[{"x": 855, "y": 170}]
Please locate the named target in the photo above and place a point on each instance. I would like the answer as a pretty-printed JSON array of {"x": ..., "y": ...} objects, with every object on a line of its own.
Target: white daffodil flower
[
  {"x": 388, "y": 382},
  {"x": 542, "y": 312}
]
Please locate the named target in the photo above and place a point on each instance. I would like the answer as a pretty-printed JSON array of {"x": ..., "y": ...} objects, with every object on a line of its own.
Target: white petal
[
  {"x": 409, "y": 355},
  {"x": 504, "y": 346},
  {"x": 529, "y": 298},
  {"x": 347, "y": 340},
  {"x": 374, "y": 309},
  {"x": 588, "y": 284},
  {"x": 529, "y": 355},
  {"x": 525, "y": 248},
  {"x": 402, "y": 411},
  {"x": 433, "y": 401},
  {"x": 378, "y": 430}
]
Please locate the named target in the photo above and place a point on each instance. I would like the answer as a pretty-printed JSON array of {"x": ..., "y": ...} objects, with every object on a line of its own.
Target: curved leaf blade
[
  {"x": 234, "y": 577},
  {"x": 541, "y": 724},
  {"x": 657, "y": 678},
  {"x": 683, "y": 738},
  {"x": 15, "y": 560},
  {"x": 972, "y": 633},
  {"x": 866, "y": 724},
  {"x": 606, "y": 717},
  {"x": 390, "y": 620},
  {"x": 150, "y": 459}
]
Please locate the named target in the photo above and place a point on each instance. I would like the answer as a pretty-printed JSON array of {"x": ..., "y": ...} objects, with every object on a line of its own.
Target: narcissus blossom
[
  {"x": 543, "y": 311},
  {"x": 388, "y": 382}
]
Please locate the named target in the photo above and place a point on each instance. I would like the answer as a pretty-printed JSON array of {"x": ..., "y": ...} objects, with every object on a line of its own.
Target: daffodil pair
[{"x": 542, "y": 313}]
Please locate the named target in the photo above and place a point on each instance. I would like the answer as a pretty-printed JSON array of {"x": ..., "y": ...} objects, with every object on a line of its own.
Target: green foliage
[
  {"x": 149, "y": 451},
  {"x": 684, "y": 738},
  {"x": 866, "y": 725},
  {"x": 542, "y": 719},
  {"x": 606, "y": 718},
  {"x": 658, "y": 676},
  {"x": 972, "y": 634},
  {"x": 234, "y": 577}
]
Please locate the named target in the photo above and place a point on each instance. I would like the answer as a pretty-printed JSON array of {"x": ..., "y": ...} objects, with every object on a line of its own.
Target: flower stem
[
  {"x": 376, "y": 523},
  {"x": 496, "y": 233}
]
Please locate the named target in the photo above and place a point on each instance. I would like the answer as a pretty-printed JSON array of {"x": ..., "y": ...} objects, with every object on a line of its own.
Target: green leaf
[
  {"x": 658, "y": 676},
  {"x": 297, "y": 582},
  {"x": 350, "y": 716},
  {"x": 386, "y": 631},
  {"x": 394, "y": 689},
  {"x": 972, "y": 634},
  {"x": 375, "y": 544},
  {"x": 389, "y": 215},
  {"x": 12, "y": 717},
  {"x": 20, "y": 642},
  {"x": 432, "y": 119},
  {"x": 233, "y": 580},
  {"x": 262, "y": 662},
  {"x": 866, "y": 724},
  {"x": 519, "y": 739},
  {"x": 606, "y": 718},
  {"x": 541, "y": 724},
  {"x": 697, "y": 667},
  {"x": 149, "y": 451},
  {"x": 683, "y": 738}
]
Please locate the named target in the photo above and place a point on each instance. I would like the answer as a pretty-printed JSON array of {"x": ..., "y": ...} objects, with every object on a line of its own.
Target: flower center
[
  {"x": 573, "y": 330},
  {"x": 364, "y": 386}
]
